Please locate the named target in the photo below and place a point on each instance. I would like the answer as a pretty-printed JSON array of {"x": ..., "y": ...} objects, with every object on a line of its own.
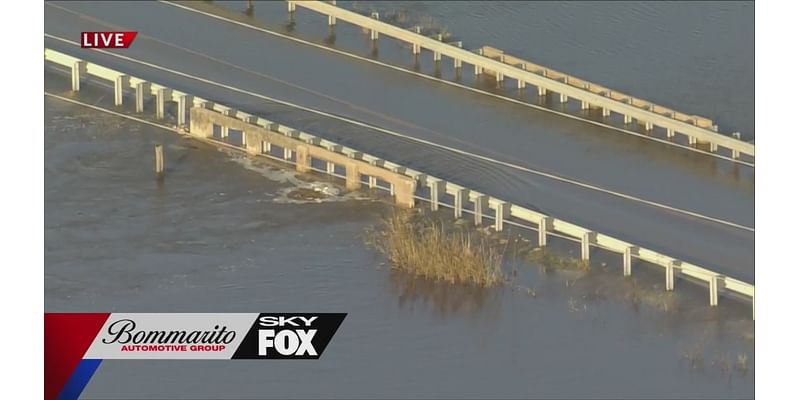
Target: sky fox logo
[{"x": 289, "y": 336}]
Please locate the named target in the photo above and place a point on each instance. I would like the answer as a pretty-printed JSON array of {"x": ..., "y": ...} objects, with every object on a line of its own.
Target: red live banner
[{"x": 107, "y": 40}]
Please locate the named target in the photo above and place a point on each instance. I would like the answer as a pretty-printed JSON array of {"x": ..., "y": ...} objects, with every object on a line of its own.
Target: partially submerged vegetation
[{"x": 426, "y": 248}]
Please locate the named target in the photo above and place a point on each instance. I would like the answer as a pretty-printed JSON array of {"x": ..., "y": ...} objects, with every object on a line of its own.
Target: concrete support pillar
[
  {"x": 563, "y": 98},
  {"x": 586, "y": 241},
  {"x": 670, "y": 276},
  {"x": 78, "y": 70},
  {"x": 480, "y": 205},
  {"x": 142, "y": 89},
  {"x": 501, "y": 212},
  {"x": 266, "y": 147},
  {"x": 161, "y": 102},
  {"x": 713, "y": 291},
  {"x": 500, "y": 77},
  {"x": 541, "y": 91},
  {"x": 692, "y": 141},
  {"x": 330, "y": 167},
  {"x": 184, "y": 104},
  {"x": 735, "y": 153},
  {"x": 670, "y": 133},
  {"x": 373, "y": 34},
  {"x": 291, "y": 6},
  {"x": 437, "y": 56},
  {"x": 545, "y": 224},
  {"x": 223, "y": 132},
  {"x": 627, "y": 260},
  {"x": 478, "y": 70},
  {"x": 303, "y": 163},
  {"x": 437, "y": 189},
  {"x": 287, "y": 153},
  {"x": 120, "y": 84},
  {"x": 331, "y": 20},
  {"x": 606, "y": 112},
  {"x": 520, "y": 84},
  {"x": 456, "y": 63},
  {"x": 460, "y": 198},
  {"x": 627, "y": 119},
  {"x": 584, "y": 105},
  {"x": 159, "y": 161},
  {"x": 373, "y": 182},
  {"x": 712, "y": 147},
  {"x": 352, "y": 177},
  {"x": 648, "y": 126},
  {"x": 415, "y": 48}
]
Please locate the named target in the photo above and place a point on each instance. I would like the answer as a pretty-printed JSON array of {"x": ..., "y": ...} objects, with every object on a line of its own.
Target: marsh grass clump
[
  {"x": 551, "y": 261},
  {"x": 428, "y": 249}
]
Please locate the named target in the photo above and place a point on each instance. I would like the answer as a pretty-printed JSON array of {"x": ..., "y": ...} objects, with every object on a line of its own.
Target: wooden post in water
[{"x": 159, "y": 161}]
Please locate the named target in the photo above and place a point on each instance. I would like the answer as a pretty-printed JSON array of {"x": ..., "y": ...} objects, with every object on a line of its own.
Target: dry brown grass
[{"x": 423, "y": 247}]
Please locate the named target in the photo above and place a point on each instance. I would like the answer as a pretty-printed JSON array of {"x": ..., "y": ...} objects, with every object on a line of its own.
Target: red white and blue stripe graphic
[{"x": 76, "y": 343}]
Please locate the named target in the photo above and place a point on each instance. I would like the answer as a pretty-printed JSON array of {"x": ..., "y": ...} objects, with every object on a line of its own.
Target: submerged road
[{"x": 244, "y": 68}]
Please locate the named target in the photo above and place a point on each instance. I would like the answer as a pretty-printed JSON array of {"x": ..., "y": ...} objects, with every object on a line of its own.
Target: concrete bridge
[
  {"x": 202, "y": 118},
  {"x": 699, "y": 131}
]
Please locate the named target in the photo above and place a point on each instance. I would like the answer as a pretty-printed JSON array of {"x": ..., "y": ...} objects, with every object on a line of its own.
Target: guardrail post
[
  {"x": 520, "y": 84},
  {"x": 460, "y": 198},
  {"x": 480, "y": 203},
  {"x": 670, "y": 275},
  {"x": 586, "y": 241},
  {"x": 456, "y": 63},
  {"x": 627, "y": 119},
  {"x": 501, "y": 212},
  {"x": 544, "y": 225},
  {"x": 373, "y": 33},
  {"x": 735, "y": 153},
  {"x": 627, "y": 260},
  {"x": 436, "y": 193},
  {"x": 78, "y": 70},
  {"x": 541, "y": 90},
  {"x": 713, "y": 290},
  {"x": 142, "y": 89},
  {"x": 648, "y": 126},
  {"x": 606, "y": 112},
  {"x": 184, "y": 104},
  {"x": 670, "y": 133},
  {"x": 120, "y": 83},
  {"x": 584, "y": 105},
  {"x": 692, "y": 141},
  {"x": 161, "y": 102},
  {"x": 563, "y": 98}
]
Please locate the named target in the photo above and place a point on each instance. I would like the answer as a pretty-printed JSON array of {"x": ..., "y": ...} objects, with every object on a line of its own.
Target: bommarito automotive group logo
[{"x": 75, "y": 344}]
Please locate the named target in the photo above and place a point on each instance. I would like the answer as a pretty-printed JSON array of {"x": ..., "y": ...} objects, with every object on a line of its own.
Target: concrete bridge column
[
  {"x": 670, "y": 275},
  {"x": 587, "y": 239},
  {"x": 478, "y": 70},
  {"x": 460, "y": 198},
  {"x": 415, "y": 48},
  {"x": 120, "y": 83},
  {"x": 331, "y": 20},
  {"x": 713, "y": 291},
  {"x": 584, "y": 105},
  {"x": 648, "y": 126},
  {"x": 627, "y": 119},
  {"x": 184, "y": 104},
  {"x": 627, "y": 260},
  {"x": 500, "y": 77},
  {"x": 712, "y": 147},
  {"x": 373, "y": 34},
  {"x": 670, "y": 133},
  {"x": 161, "y": 102},
  {"x": 78, "y": 70},
  {"x": 501, "y": 212},
  {"x": 266, "y": 147},
  {"x": 692, "y": 141},
  {"x": 223, "y": 132},
  {"x": 545, "y": 223},
  {"x": 480, "y": 203},
  {"x": 352, "y": 177},
  {"x": 287, "y": 153},
  {"x": 291, "y": 6},
  {"x": 142, "y": 88},
  {"x": 373, "y": 182},
  {"x": 437, "y": 56},
  {"x": 563, "y": 98},
  {"x": 541, "y": 91},
  {"x": 330, "y": 167},
  {"x": 437, "y": 189},
  {"x": 606, "y": 112},
  {"x": 456, "y": 63},
  {"x": 303, "y": 163},
  {"x": 520, "y": 84}
]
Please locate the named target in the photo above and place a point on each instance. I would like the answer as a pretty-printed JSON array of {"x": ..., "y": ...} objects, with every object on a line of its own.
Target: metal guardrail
[{"x": 503, "y": 210}]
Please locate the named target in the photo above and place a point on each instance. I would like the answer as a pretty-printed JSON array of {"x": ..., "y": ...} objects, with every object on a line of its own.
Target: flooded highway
[{"x": 115, "y": 238}]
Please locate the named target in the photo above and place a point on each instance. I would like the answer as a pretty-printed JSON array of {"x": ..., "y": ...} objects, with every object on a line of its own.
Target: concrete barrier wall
[
  {"x": 203, "y": 114},
  {"x": 696, "y": 129}
]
